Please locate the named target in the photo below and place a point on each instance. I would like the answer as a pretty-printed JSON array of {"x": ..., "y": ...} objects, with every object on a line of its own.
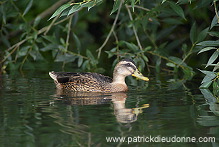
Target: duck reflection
[{"x": 123, "y": 114}]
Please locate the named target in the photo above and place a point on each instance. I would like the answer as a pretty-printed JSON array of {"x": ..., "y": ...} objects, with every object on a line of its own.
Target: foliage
[
  {"x": 164, "y": 34},
  {"x": 70, "y": 8},
  {"x": 211, "y": 77}
]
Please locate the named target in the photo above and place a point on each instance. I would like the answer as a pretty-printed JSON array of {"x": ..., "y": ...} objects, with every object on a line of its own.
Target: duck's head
[{"x": 127, "y": 67}]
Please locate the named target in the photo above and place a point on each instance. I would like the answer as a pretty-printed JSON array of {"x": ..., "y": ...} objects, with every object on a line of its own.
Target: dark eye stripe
[
  {"x": 128, "y": 60},
  {"x": 130, "y": 65}
]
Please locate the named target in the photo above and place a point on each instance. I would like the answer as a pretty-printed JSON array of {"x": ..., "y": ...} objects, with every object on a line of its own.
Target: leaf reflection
[{"x": 209, "y": 118}]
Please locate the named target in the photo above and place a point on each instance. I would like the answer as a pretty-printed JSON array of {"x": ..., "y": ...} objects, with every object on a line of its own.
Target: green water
[{"x": 33, "y": 113}]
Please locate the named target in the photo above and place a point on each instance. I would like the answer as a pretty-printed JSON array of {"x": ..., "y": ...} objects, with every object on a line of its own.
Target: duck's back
[{"x": 81, "y": 81}]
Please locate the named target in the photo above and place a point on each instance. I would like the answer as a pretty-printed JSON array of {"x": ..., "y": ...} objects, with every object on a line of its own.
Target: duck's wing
[
  {"x": 63, "y": 77},
  {"x": 81, "y": 81}
]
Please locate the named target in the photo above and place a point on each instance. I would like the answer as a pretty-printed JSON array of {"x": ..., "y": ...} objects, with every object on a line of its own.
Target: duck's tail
[{"x": 53, "y": 75}]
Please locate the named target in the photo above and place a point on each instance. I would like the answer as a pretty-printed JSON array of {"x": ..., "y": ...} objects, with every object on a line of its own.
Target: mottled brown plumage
[{"x": 94, "y": 82}]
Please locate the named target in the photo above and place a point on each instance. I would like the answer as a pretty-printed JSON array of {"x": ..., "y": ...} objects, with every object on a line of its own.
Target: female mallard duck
[{"x": 96, "y": 82}]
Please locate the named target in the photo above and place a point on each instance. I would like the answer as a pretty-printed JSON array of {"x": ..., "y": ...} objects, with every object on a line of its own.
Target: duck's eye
[{"x": 128, "y": 64}]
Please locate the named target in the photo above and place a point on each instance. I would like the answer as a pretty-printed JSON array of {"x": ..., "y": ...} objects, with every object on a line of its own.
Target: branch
[
  {"x": 134, "y": 29},
  {"x": 68, "y": 33},
  {"x": 215, "y": 9},
  {"x": 51, "y": 24},
  {"x": 52, "y": 9},
  {"x": 111, "y": 31},
  {"x": 167, "y": 59},
  {"x": 139, "y": 7},
  {"x": 15, "y": 46},
  {"x": 42, "y": 15}
]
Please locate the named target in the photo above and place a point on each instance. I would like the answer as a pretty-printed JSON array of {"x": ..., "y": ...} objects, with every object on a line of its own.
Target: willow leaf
[
  {"x": 116, "y": 6},
  {"x": 60, "y": 10},
  {"x": 213, "y": 57},
  {"x": 74, "y": 8},
  {"x": 28, "y": 7},
  {"x": 177, "y": 9},
  {"x": 206, "y": 49}
]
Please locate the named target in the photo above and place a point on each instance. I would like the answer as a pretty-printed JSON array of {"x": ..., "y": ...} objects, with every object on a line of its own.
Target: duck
[{"x": 95, "y": 82}]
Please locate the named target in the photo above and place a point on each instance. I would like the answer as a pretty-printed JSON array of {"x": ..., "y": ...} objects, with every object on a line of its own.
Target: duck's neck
[
  {"x": 118, "y": 83},
  {"x": 118, "y": 78}
]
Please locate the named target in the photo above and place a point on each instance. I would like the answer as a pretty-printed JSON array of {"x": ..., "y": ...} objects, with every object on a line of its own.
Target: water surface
[{"x": 34, "y": 113}]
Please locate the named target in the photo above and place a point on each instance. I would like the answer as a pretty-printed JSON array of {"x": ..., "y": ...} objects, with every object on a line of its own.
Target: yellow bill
[{"x": 139, "y": 75}]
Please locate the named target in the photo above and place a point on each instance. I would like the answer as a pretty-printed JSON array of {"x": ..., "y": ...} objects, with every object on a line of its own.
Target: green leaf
[
  {"x": 208, "y": 95},
  {"x": 90, "y": 55},
  {"x": 8, "y": 55},
  {"x": 157, "y": 65},
  {"x": 133, "y": 5},
  {"x": 171, "y": 64},
  {"x": 5, "y": 40},
  {"x": 86, "y": 65},
  {"x": 193, "y": 33},
  {"x": 49, "y": 47},
  {"x": 208, "y": 78},
  {"x": 202, "y": 35},
  {"x": 206, "y": 49},
  {"x": 112, "y": 52},
  {"x": 184, "y": 1},
  {"x": 188, "y": 73},
  {"x": 163, "y": 1},
  {"x": 177, "y": 61},
  {"x": 60, "y": 10},
  {"x": 77, "y": 41},
  {"x": 35, "y": 35},
  {"x": 206, "y": 84},
  {"x": 62, "y": 41},
  {"x": 214, "y": 22},
  {"x": 216, "y": 66},
  {"x": 23, "y": 51},
  {"x": 36, "y": 21},
  {"x": 175, "y": 85},
  {"x": 89, "y": 4},
  {"x": 80, "y": 61},
  {"x": 3, "y": 13},
  {"x": 51, "y": 39},
  {"x": 216, "y": 90},
  {"x": 145, "y": 58},
  {"x": 131, "y": 46},
  {"x": 140, "y": 62},
  {"x": 213, "y": 57},
  {"x": 209, "y": 43},
  {"x": 184, "y": 48},
  {"x": 74, "y": 9},
  {"x": 215, "y": 85},
  {"x": 28, "y": 7},
  {"x": 216, "y": 34},
  {"x": 207, "y": 72},
  {"x": 65, "y": 12},
  {"x": 177, "y": 9},
  {"x": 147, "y": 48},
  {"x": 116, "y": 6},
  {"x": 35, "y": 54},
  {"x": 96, "y": 3},
  {"x": 65, "y": 58}
]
